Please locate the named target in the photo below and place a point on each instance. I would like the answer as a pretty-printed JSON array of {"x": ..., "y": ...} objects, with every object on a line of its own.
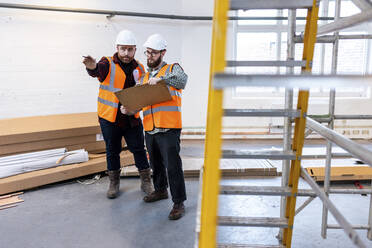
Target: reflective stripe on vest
[
  {"x": 174, "y": 92},
  {"x": 168, "y": 69},
  {"x": 142, "y": 69},
  {"x": 162, "y": 108},
  {"x": 107, "y": 102},
  {"x": 111, "y": 87},
  {"x": 146, "y": 112}
]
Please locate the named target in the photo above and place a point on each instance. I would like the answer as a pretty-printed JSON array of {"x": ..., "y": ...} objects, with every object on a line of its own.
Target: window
[{"x": 269, "y": 40}]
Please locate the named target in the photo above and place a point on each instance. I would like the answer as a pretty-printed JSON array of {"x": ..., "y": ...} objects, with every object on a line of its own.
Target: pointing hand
[{"x": 89, "y": 62}]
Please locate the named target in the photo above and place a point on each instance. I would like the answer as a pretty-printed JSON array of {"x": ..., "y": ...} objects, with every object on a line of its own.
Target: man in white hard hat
[
  {"x": 163, "y": 124},
  {"x": 115, "y": 73}
]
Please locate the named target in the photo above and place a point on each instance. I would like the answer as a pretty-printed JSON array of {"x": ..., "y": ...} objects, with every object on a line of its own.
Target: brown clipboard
[{"x": 137, "y": 97}]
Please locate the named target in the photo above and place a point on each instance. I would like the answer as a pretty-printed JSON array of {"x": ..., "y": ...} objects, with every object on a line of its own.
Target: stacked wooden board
[
  {"x": 10, "y": 201},
  {"x": 229, "y": 168},
  {"x": 71, "y": 131},
  {"x": 38, "y": 133}
]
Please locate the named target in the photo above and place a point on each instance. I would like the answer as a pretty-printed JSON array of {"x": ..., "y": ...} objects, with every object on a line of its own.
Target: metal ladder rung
[
  {"x": 262, "y": 112},
  {"x": 254, "y": 190},
  {"x": 270, "y": 4},
  {"x": 263, "y": 190},
  {"x": 252, "y": 221},
  {"x": 225, "y": 80},
  {"x": 331, "y": 226},
  {"x": 247, "y": 154},
  {"x": 284, "y": 63},
  {"x": 248, "y": 246},
  {"x": 306, "y": 192},
  {"x": 321, "y": 156}
]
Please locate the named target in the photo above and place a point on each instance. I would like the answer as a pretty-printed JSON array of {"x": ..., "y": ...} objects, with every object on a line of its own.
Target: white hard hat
[
  {"x": 156, "y": 42},
  {"x": 126, "y": 37}
]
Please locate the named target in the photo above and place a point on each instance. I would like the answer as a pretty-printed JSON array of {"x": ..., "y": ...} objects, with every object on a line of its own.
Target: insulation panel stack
[{"x": 37, "y": 133}]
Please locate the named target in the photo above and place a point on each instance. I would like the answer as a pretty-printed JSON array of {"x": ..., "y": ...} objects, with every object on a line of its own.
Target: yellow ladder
[{"x": 211, "y": 172}]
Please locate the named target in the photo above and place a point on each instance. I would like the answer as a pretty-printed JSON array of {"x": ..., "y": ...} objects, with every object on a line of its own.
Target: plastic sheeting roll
[
  {"x": 32, "y": 155},
  {"x": 17, "y": 164}
]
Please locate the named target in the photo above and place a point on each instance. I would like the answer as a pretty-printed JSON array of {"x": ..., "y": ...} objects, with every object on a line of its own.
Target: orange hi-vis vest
[
  {"x": 165, "y": 114},
  {"x": 107, "y": 102}
]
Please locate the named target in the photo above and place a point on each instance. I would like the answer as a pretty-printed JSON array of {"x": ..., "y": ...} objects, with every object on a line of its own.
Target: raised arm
[{"x": 98, "y": 70}]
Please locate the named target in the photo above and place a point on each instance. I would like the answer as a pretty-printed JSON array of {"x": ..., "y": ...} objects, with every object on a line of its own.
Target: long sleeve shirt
[{"x": 101, "y": 71}]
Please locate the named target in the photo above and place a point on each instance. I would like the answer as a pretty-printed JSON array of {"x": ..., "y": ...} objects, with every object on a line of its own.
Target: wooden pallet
[{"x": 344, "y": 173}]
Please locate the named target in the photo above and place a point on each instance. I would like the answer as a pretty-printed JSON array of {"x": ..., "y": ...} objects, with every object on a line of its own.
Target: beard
[
  {"x": 125, "y": 59},
  {"x": 154, "y": 64}
]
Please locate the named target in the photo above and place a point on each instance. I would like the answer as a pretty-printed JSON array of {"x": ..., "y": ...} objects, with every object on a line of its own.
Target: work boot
[
  {"x": 156, "y": 196},
  {"x": 146, "y": 184},
  {"x": 177, "y": 212},
  {"x": 113, "y": 191}
]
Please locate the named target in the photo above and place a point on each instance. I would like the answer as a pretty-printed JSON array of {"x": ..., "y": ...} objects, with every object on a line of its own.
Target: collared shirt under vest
[
  {"x": 165, "y": 114},
  {"x": 108, "y": 103}
]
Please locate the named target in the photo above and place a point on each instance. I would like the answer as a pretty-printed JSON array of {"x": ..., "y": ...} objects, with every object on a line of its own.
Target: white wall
[{"x": 41, "y": 52}]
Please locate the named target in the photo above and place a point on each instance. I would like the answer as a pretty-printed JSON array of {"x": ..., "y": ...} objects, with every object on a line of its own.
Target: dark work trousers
[
  {"x": 112, "y": 134},
  {"x": 165, "y": 160}
]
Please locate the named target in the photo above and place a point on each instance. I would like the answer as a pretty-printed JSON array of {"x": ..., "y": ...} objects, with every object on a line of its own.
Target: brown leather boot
[
  {"x": 177, "y": 212},
  {"x": 156, "y": 196},
  {"x": 113, "y": 190},
  {"x": 146, "y": 185}
]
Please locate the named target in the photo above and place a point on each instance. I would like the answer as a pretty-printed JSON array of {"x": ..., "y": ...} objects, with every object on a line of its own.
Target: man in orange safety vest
[
  {"x": 116, "y": 73},
  {"x": 162, "y": 123}
]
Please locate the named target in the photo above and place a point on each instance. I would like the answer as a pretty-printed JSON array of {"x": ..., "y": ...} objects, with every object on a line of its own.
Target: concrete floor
[
  {"x": 75, "y": 215},
  {"x": 70, "y": 214}
]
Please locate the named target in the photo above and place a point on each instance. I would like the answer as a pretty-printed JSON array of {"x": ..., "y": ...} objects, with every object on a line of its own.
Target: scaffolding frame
[
  {"x": 220, "y": 80},
  {"x": 329, "y": 134}
]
